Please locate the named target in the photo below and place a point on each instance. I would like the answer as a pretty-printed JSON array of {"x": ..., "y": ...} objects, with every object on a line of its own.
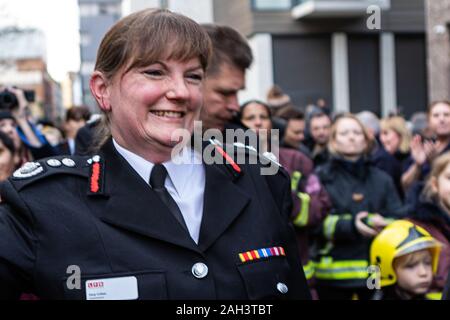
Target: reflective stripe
[
  {"x": 329, "y": 225},
  {"x": 309, "y": 270},
  {"x": 327, "y": 269},
  {"x": 434, "y": 296},
  {"x": 295, "y": 179},
  {"x": 302, "y": 218},
  {"x": 330, "y": 222}
]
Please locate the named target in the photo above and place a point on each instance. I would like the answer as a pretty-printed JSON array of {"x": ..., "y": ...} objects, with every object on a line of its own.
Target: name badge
[{"x": 124, "y": 288}]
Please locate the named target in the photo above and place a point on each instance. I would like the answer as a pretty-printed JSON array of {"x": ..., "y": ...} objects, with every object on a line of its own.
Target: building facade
[
  {"x": 356, "y": 54},
  {"x": 96, "y": 17},
  {"x": 438, "y": 41},
  {"x": 23, "y": 64}
]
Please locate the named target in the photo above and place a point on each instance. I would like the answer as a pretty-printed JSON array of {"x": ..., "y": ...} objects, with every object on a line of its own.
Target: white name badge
[{"x": 124, "y": 288}]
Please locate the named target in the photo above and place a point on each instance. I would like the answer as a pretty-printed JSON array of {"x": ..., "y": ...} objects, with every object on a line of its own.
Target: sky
[{"x": 59, "y": 20}]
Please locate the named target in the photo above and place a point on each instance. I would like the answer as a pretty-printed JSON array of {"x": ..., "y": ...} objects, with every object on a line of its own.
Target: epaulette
[
  {"x": 236, "y": 152},
  {"x": 96, "y": 175},
  {"x": 32, "y": 172},
  {"x": 233, "y": 168},
  {"x": 265, "y": 157}
]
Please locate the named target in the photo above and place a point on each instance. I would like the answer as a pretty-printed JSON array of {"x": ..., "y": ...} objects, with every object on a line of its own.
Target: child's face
[
  {"x": 414, "y": 272},
  {"x": 443, "y": 187}
]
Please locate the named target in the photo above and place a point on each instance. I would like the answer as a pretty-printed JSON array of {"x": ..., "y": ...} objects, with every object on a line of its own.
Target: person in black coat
[
  {"x": 139, "y": 220},
  {"x": 363, "y": 199}
]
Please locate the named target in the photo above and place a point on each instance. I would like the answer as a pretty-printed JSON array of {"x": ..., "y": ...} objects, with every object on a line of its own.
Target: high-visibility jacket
[
  {"x": 343, "y": 253},
  {"x": 310, "y": 201}
]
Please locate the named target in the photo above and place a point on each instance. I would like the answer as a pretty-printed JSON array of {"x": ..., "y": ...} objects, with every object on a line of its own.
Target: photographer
[{"x": 28, "y": 141}]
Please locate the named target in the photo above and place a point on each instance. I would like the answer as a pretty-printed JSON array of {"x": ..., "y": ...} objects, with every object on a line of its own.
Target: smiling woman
[
  {"x": 149, "y": 91},
  {"x": 132, "y": 222}
]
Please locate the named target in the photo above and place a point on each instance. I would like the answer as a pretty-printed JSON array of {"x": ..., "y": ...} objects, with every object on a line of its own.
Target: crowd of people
[
  {"x": 356, "y": 199},
  {"x": 372, "y": 172}
]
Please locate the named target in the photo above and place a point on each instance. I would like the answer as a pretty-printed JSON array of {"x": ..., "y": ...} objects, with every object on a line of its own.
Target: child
[
  {"x": 432, "y": 212},
  {"x": 407, "y": 257}
]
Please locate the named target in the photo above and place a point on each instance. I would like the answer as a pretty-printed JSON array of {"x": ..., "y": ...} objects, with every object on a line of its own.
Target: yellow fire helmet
[{"x": 400, "y": 238}]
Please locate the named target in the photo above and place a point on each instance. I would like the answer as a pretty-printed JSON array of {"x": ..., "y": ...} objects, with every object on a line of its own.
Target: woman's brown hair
[{"x": 143, "y": 38}]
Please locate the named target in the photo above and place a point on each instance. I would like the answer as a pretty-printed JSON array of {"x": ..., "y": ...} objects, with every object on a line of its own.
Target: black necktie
[{"x": 157, "y": 179}]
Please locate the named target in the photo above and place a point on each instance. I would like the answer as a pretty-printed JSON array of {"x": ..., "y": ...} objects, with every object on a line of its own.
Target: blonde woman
[
  {"x": 395, "y": 138},
  {"x": 361, "y": 196}
]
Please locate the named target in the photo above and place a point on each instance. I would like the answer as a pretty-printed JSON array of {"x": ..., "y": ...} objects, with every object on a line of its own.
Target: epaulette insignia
[
  {"x": 271, "y": 157},
  {"x": 54, "y": 163},
  {"x": 266, "y": 155},
  {"x": 68, "y": 162},
  {"x": 216, "y": 142},
  {"x": 241, "y": 145},
  {"x": 236, "y": 170},
  {"x": 95, "y": 177},
  {"x": 29, "y": 169}
]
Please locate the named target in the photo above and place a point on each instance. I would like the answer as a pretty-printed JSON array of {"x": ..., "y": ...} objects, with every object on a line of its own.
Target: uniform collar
[{"x": 180, "y": 168}]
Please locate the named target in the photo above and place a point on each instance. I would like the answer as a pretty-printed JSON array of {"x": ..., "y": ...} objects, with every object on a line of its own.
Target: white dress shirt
[{"x": 185, "y": 183}]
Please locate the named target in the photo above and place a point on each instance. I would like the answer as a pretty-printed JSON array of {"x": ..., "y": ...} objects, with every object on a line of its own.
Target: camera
[{"x": 8, "y": 100}]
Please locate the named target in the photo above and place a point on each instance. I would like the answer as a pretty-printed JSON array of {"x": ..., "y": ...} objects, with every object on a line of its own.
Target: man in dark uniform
[{"x": 131, "y": 222}]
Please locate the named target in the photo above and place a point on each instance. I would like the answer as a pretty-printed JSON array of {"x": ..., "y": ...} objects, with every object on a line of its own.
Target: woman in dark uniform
[{"x": 134, "y": 222}]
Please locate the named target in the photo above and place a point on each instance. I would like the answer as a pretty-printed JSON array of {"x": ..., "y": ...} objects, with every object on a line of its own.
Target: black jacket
[
  {"x": 390, "y": 164},
  {"x": 353, "y": 187},
  {"x": 103, "y": 218}
]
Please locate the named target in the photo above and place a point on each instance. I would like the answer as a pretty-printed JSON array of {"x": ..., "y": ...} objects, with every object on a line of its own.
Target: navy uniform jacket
[{"x": 108, "y": 222}]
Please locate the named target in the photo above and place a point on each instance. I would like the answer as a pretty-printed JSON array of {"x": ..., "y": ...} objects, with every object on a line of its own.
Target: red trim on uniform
[
  {"x": 95, "y": 176},
  {"x": 229, "y": 159}
]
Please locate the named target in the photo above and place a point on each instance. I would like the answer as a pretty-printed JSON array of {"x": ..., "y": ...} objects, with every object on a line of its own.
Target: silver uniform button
[
  {"x": 54, "y": 163},
  {"x": 28, "y": 170},
  {"x": 282, "y": 287},
  {"x": 199, "y": 270},
  {"x": 68, "y": 162},
  {"x": 29, "y": 167},
  {"x": 96, "y": 158}
]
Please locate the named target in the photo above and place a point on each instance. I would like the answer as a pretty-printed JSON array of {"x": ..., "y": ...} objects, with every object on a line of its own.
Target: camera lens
[{"x": 7, "y": 100}]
